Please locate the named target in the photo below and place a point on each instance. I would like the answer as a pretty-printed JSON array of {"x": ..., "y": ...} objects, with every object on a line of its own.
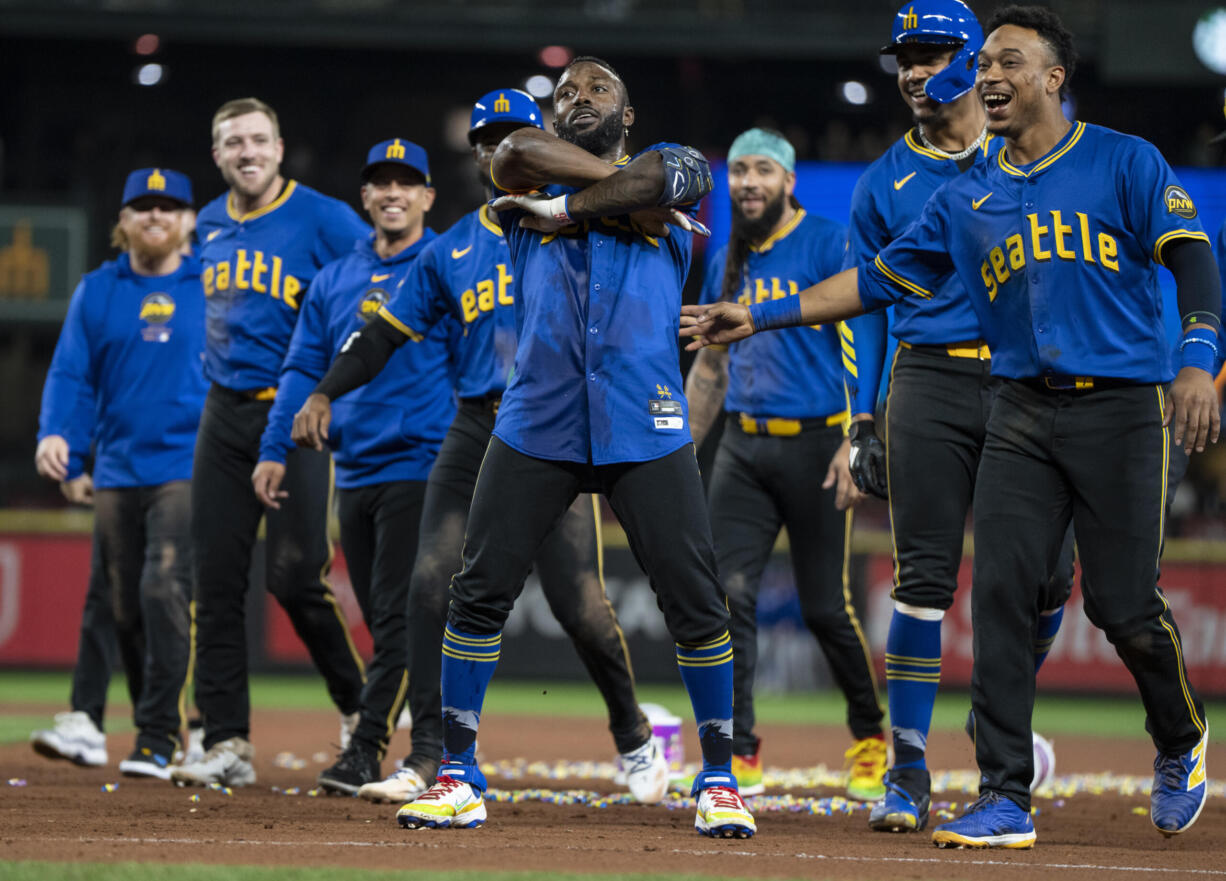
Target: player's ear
[
  {"x": 427, "y": 199},
  {"x": 789, "y": 182},
  {"x": 280, "y": 150},
  {"x": 1055, "y": 79},
  {"x": 628, "y": 116},
  {"x": 216, "y": 155}
]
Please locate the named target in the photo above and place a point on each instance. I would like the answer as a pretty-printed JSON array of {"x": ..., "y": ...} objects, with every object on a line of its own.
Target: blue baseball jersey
[
  {"x": 1059, "y": 256},
  {"x": 257, "y": 268},
  {"x": 597, "y": 373},
  {"x": 128, "y": 374},
  {"x": 887, "y": 199},
  {"x": 391, "y": 428},
  {"x": 465, "y": 273},
  {"x": 795, "y": 373}
]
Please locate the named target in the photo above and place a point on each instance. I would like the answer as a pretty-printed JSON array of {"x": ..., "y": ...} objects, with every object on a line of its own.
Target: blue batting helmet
[
  {"x": 941, "y": 22},
  {"x": 504, "y": 105}
]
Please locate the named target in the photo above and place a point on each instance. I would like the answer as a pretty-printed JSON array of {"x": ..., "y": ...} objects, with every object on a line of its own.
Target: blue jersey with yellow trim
[
  {"x": 597, "y": 373},
  {"x": 465, "y": 273},
  {"x": 257, "y": 268},
  {"x": 127, "y": 372},
  {"x": 391, "y": 428},
  {"x": 887, "y": 199},
  {"x": 1059, "y": 256},
  {"x": 794, "y": 373}
]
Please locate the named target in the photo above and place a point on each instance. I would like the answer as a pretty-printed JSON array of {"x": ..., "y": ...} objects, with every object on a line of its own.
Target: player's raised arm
[
  {"x": 529, "y": 158},
  {"x": 835, "y": 299}
]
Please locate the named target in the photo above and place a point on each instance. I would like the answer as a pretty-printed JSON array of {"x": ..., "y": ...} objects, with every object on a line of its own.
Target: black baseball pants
[
  {"x": 759, "y": 484},
  {"x": 379, "y": 525},
  {"x": 567, "y": 563},
  {"x": 97, "y": 648},
  {"x": 1097, "y": 458},
  {"x": 225, "y": 517}
]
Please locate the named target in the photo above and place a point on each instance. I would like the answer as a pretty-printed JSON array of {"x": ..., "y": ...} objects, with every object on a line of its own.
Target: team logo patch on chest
[
  {"x": 372, "y": 302},
  {"x": 156, "y": 310},
  {"x": 1178, "y": 202}
]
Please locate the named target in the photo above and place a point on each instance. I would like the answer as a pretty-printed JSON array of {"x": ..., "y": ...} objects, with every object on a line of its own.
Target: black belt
[
  {"x": 254, "y": 394},
  {"x": 487, "y": 403},
  {"x": 1064, "y": 383}
]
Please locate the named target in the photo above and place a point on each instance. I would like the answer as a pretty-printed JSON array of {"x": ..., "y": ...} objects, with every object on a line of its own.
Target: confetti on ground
[
  {"x": 289, "y": 760},
  {"x": 194, "y": 798},
  {"x": 16, "y": 781},
  {"x": 320, "y": 758},
  {"x": 109, "y": 787}
]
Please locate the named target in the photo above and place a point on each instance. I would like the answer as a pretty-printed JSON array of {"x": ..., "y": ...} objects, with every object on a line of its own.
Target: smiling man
[
  {"x": 385, "y": 437},
  {"x": 1057, "y": 243},
  {"x": 126, "y": 374},
  {"x": 261, "y": 244}
]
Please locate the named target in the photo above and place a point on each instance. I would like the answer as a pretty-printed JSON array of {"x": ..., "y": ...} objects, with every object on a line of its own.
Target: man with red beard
[{"x": 127, "y": 373}]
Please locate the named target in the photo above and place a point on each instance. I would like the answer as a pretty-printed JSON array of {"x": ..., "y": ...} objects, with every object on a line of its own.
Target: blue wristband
[
  {"x": 1199, "y": 348},
  {"x": 773, "y": 314}
]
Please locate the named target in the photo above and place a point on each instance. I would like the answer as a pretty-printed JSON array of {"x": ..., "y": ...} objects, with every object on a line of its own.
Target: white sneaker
[
  {"x": 646, "y": 772},
  {"x": 75, "y": 737},
  {"x": 227, "y": 763},
  {"x": 349, "y": 724},
  {"x": 401, "y": 786},
  {"x": 195, "y": 745},
  {"x": 722, "y": 814},
  {"x": 449, "y": 803}
]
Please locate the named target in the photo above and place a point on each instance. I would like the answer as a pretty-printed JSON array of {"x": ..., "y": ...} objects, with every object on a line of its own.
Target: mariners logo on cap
[
  {"x": 155, "y": 181},
  {"x": 395, "y": 150},
  {"x": 502, "y": 105},
  {"x": 1179, "y": 202},
  {"x": 156, "y": 310}
]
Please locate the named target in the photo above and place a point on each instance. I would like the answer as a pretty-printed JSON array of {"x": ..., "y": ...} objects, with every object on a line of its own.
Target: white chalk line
[{"x": 417, "y": 842}]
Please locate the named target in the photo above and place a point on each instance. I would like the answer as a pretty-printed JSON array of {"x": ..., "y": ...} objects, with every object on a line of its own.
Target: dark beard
[
  {"x": 756, "y": 231},
  {"x": 597, "y": 141}
]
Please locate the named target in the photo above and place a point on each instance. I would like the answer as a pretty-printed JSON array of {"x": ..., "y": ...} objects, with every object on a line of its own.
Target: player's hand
[
  {"x": 656, "y": 221},
  {"x": 715, "y": 324},
  {"x": 867, "y": 459},
  {"x": 838, "y": 475},
  {"x": 266, "y": 480},
  {"x": 312, "y": 421},
  {"x": 542, "y": 212},
  {"x": 1193, "y": 411},
  {"x": 51, "y": 457},
  {"x": 79, "y": 490}
]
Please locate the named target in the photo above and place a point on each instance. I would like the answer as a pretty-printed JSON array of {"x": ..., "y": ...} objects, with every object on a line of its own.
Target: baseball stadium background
[{"x": 94, "y": 88}]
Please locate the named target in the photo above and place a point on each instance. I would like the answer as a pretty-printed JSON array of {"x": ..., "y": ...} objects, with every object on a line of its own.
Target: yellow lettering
[
  {"x": 910, "y": 21},
  {"x": 989, "y": 281},
  {"x": 777, "y": 292},
  {"x": 207, "y": 278},
  {"x": 276, "y": 275},
  {"x": 1059, "y": 231},
  {"x": 793, "y": 288},
  {"x": 468, "y": 302},
  {"x": 1084, "y": 223},
  {"x": 257, "y": 270},
  {"x": 761, "y": 294},
  {"x": 1036, "y": 235},
  {"x": 290, "y": 290},
  {"x": 1017, "y": 251},
  {"x": 485, "y": 295},
  {"x": 997, "y": 256},
  {"x": 241, "y": 265},
  {"x": 223, "y": 275},
  {"x": 505, "y": 297},
  {"x": 745, "y": 298},
  {"x": 1108, "y": 250}
]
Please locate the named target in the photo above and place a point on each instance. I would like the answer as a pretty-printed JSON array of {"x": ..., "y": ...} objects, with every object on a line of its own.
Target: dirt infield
[{"x": 64, "y": 813}]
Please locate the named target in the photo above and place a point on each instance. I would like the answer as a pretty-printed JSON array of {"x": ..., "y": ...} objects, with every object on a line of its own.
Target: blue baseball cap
[
  {"x": 398, "y": 151},
  {"x": 157, "y": 182},
  {"x": 504, "y": 105}
]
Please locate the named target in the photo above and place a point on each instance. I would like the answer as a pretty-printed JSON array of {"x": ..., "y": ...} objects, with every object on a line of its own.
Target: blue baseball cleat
[
  {"x": 992, "y": 821},
  {"x": 905, "y": 805},
  {"x": 1179, "y": 789}
]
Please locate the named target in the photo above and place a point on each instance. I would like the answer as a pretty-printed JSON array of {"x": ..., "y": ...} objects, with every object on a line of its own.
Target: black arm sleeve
[
  {"x": 1198, "y": 287},
  {"x": 362, "y": 357}
]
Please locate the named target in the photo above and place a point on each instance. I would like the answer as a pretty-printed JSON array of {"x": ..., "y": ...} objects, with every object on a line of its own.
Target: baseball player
[
  {"x": 787, "y": 410},
  {"x": 1056, "y": 242},
  {"x": 941, "y": 388},
  {"x": 127, "y": 373},
  {"x": 594, "y": 404},
  {"x": 466, "y": 275},
  {"x": 385, "y": 437},
  {"x": 262, "y": 242}
]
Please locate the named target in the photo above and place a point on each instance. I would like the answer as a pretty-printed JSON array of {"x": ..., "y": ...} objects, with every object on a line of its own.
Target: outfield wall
[{"x": 43, "y": 580}]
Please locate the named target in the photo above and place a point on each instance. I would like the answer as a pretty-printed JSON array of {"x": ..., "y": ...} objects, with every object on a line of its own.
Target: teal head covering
[{"x": 764, "y": 142}]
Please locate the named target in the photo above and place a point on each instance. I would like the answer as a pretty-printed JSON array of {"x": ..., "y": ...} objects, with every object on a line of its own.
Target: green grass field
[{"x": 1054, "y": 714}]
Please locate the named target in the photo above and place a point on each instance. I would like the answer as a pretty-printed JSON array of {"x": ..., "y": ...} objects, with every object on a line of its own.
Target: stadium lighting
[
  {"x": 150, "y": 74},
  {"x": 146, "y": 44},
  {"x": 1209, "y": 40},
  {"x": 539, "y": 86},
  {"x": 555, "y": 56},
  {"x": 854, "y": 92}
]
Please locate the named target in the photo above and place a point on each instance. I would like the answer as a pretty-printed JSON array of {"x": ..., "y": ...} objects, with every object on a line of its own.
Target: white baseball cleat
[
  {"x": 74, "y": 737},
  {"x": 403, "y": 785}
]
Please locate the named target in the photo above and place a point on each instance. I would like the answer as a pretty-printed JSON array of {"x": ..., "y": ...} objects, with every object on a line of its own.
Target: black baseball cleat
[{"x": 354, "y": 768}]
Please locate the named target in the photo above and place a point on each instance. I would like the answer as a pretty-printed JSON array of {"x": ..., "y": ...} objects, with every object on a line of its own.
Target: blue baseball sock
[
  {"x": 913, "y": 673},
  {"x": 469, "y": 660},
  {"x": 1045, "y": 635},
  {"x": 706, "y": 670}
]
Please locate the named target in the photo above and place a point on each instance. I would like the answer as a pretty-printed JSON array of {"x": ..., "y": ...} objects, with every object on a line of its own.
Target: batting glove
[
  {"x": 867, "y": 459},
  {"x": 544, "y": 213}
]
